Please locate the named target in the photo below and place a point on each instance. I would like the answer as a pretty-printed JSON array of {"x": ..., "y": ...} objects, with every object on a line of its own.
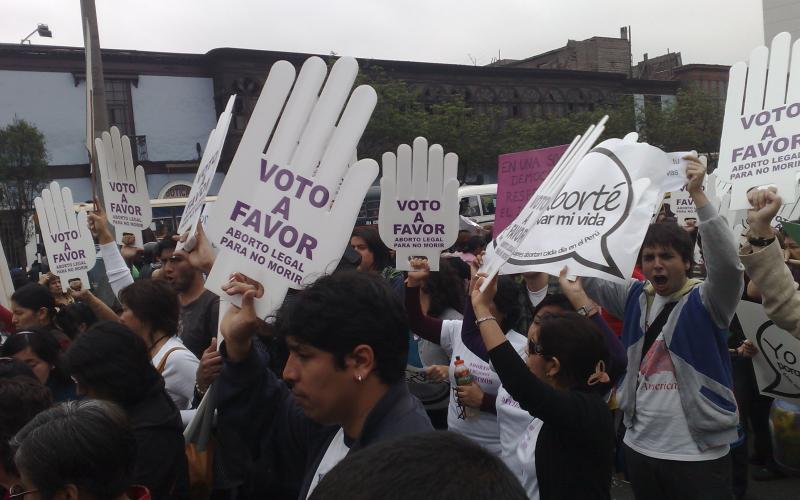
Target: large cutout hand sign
[
  {"x": 419, "y": 202},
  {"x": 66, "y": 236},
  {"x": 287, "y": 214},
  {"x": 761, "y": 131},
  {"x": 205, "y": 174},
  {"x": 125, "y": 194}
]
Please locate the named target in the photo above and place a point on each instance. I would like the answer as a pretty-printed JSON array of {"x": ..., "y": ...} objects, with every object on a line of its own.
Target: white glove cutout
[
  {"x": 67, "y": 239},
  {"x": 761, "y": 129},
  {"x": 205, "y": 174},
  {"x": 286, "y": 215},
  {"x": 419, "y": 202},
  {"x": 125, "y": 194}
]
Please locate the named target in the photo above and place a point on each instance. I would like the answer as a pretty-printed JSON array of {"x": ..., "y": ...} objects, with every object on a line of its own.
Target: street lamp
[{"x": 42, "y": 29}]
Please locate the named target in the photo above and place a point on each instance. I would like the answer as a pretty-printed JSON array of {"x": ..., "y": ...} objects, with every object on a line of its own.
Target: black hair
[
  {"x": 35, "y": 296},
  {"x": 670, "y": 235},
  {"x": 578, "y": 344},
  {"x": 348, "y": 308},
  {"x": 445, "y": 289},
  {"x": 154, "y": 302},
  {"x": 11, "y": 367},
  {"x": 558, "y": 300},
  {"x": 21, "y": 398},
  {"x": 381, "y": 257},
  {"x": 426, "y": 465},
  {"x": 166, "y": 243},
  {"x": 113, "y": 361},
  {"x": 88, "y": 443},
  {"x": 474, "y": 244},
  {"x": 70, "y": 317},
  {"x": 507, "y": 302},
  {"x": 44, "y": 344}
]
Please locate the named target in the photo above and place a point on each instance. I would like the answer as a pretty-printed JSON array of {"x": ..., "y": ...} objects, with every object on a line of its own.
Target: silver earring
[{"x": 358, "y": 378}]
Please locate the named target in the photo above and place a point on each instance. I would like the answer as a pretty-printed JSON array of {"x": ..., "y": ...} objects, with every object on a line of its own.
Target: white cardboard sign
[
  {"x": 505, "y": 244},
  {"x": 285, "y": 216},
  {"x": 67, "y": 239},
  {"x": 777, "y": 364},
  {"x": 761, "y": 131},
  {"x": 597, "y": 223},
  {"x": 419, "y": 202},
  {"x": 125, "y": 194},
  {"x": 205, "y": 174}
]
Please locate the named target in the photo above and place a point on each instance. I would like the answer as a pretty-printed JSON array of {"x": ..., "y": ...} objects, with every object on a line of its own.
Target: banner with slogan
[
  {"x": 284, "y": 216},
  {"x": 777, "y": 364},
  {"x": 205, "y": 175},
  {"x": 761, "y": 131},
  {"x": 518, "y": 177},
  {"x": 597, "y": 223},
  {"x": 419, "y": 202},
  {"x": 66, "y": 236}
]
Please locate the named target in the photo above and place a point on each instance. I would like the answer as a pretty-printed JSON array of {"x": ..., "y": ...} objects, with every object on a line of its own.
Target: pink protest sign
[{"x": 518, "y": 177}]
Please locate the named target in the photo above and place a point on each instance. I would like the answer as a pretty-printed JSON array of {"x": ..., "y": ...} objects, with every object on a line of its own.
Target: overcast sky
[{"x": 448, "y": 31}]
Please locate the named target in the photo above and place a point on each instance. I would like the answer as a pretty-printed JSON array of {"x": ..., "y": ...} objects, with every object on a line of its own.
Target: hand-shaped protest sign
[
  {"x": 205, "y": 174},
  {"x": 419, "y": 202},
  {"x": 287, "y": 214},
  {"x": 66, "y": 236},
  {"x": 125, "y": 194},
  {"x": 761, "y": 131}
]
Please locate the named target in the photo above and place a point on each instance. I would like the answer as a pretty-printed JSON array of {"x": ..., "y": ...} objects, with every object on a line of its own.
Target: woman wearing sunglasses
[{"x": 561, "y": 385}]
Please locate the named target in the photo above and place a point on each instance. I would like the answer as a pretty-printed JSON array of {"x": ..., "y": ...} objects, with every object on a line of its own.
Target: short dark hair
[
  {"x": 43, "y": 343},
  {"x": 21, "y": 398},
  {"x": 113, "y": 361},
  {"x": 558, "y": 300},
  {"x": 474, "y": 243},
  {"x": 578, "y": 344},
  {"x": 445, "y": 289},
  {"x": 35, "y": 296},
  {"x": 70, "y": 317},
  {"x": 154, "y": 302},
  {"x": 86, "y": 443},
  {"x": 437, "y": 464},
  {"x": 507, "y": 302},
  {"x": 381, "y": 257},
  {"x": 166, "y": 243},
  {"x": 348, "y": 308},
  {"x": 670, "y": 235}
]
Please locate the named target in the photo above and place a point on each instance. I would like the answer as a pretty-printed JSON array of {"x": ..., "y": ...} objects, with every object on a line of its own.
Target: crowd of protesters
[{"x": 357, "y": 387}]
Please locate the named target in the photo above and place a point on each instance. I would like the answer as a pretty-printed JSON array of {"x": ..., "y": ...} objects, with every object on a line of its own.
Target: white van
[{"x": 478, "y": 202}]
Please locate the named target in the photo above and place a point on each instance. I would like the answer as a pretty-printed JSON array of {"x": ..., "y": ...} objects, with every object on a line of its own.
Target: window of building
[{"x": 119, "y": 106}]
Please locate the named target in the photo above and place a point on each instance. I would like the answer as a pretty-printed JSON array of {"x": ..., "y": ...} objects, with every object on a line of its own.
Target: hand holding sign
[
  {"x": 286, "y": 214},
  {"x": 125, "y": 192},
  {"x": 202, "y": 181},
  {"x": 761, "y": 131},
  {"x": 419, "y": 202},
  {"x": 67, "y": 239}
]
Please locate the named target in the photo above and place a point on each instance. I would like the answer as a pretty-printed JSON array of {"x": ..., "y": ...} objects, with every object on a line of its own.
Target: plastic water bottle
[{"x": 464, "y": 377}]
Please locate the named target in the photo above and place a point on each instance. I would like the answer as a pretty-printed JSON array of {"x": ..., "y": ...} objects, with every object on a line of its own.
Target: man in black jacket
[{"x": 348, "y": 343}]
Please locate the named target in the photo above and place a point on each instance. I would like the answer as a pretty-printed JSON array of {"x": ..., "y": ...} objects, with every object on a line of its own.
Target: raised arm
[
  {"x": 119, "y": 276},
  {"x": 765, "y": 264}
]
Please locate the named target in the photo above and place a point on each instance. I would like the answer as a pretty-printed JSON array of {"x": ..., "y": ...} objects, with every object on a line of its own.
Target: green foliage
[
  {"x": 402, "y": 114},
  {"x": 23, "y": 170}
]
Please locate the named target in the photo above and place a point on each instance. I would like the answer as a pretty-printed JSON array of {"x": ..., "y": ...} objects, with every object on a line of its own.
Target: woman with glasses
[{"x": 562, "y": 385}]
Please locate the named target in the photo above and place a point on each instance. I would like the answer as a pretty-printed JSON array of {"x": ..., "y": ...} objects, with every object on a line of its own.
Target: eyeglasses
[
  {"x": 19, "y": 491},
  {"x": 536, "y": 348}
]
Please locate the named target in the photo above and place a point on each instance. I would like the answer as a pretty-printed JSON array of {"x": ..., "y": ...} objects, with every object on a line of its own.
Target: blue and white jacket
[{"x": 695, "y": 335}]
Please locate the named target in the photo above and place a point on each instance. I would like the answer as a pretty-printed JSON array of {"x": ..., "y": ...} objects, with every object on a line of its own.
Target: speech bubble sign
[
  {"x": 777, "y": 365},
  {"x": 760, "y": 142},
  {"x": 419, "y": 202},
  {"x": 204, "y": 177},
  {"x": 598, "y": 221},
  {"x": 66, "y": 236}
]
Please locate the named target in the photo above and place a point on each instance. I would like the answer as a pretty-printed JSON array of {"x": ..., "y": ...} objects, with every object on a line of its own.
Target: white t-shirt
[
  {"x": 484, "y": 430},
  {"x": 659, "y": 428},
  {"x": 336, "y": 451},
  {"x": 526, "y": 457},
  {"x": 180, "y": 372}
]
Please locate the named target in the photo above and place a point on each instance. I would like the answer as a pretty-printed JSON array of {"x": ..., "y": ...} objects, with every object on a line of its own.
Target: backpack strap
[
  {"x": 163, "y": 363},
  {"x": 654, "y": 329}
]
